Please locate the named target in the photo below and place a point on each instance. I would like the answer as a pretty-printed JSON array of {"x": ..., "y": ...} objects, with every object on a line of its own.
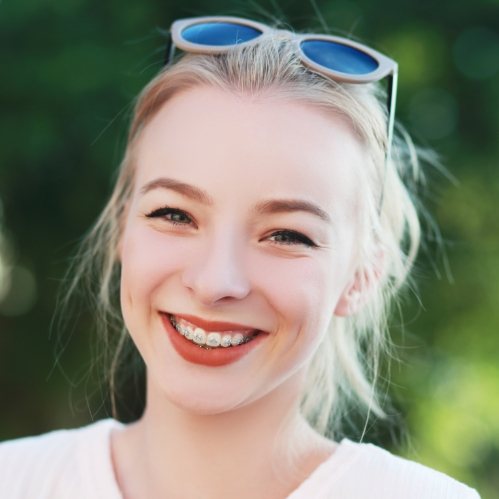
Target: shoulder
[
  {"x": 52, "y": 464},
  {"x": 365, "y": 470},
  {"x": 408, "y": 477}
]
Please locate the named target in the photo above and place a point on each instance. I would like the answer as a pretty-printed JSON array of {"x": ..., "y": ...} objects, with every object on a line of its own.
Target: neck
[{"x": 252, "y": 447}]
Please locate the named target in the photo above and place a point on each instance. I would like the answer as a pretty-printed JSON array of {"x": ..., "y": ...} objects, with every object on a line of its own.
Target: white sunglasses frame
[{"x": 385, "y": 67}]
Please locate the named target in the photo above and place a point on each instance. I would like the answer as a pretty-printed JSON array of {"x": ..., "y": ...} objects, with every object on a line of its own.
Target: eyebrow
[
  {"x": 290, "y": 205},
  {"x": 181, "y": 187},
  {"x": 263, "y": 208}
]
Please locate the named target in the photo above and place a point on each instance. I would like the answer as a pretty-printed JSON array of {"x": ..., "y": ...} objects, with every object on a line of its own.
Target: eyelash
[
  {"x": 293, "y": 237},
  {"x": 166, "y": 211}
]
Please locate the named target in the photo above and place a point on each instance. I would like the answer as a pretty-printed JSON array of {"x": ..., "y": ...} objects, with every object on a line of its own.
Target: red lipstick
[{"x": 214, "y": 357}]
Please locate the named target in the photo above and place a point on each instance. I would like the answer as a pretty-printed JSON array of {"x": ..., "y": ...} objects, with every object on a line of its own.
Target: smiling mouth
[{"x": 212, "y": 340}]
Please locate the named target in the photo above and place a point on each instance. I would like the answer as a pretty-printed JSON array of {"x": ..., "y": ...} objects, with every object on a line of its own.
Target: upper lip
[{"x": 218, "y": 326}]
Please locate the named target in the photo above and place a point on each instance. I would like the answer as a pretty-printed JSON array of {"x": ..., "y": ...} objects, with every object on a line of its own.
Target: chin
[
  {"x": 202, "y": 399},
  {"x": 203, "y": 404}
]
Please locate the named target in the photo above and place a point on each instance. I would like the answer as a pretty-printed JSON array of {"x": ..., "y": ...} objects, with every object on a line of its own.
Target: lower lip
[{"x": 208, "y": 357}]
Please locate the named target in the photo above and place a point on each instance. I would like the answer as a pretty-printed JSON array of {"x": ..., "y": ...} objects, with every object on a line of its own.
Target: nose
[{"x": 217, "y": 272}]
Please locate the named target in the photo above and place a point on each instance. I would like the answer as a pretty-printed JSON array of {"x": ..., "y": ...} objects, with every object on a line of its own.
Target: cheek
[
  {"x": 303, "y": 291},
  {"x": 147, "y": 259}
]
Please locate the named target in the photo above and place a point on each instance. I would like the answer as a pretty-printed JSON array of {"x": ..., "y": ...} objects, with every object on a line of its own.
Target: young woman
[{"x": 256, "y": 235}]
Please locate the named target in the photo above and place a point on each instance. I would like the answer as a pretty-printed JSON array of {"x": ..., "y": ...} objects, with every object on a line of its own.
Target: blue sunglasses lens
[
  {"x": 219, "y": 33},
  {"x": 339, "y": 57}
]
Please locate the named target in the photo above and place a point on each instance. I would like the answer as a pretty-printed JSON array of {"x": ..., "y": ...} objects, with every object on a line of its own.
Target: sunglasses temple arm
[
  {"x": 169, "y": 51},
  {"x": 391, "y": 101}
]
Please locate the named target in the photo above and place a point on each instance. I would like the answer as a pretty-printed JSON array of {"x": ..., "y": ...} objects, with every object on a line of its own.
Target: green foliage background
[{"x": 69, "y": 71}]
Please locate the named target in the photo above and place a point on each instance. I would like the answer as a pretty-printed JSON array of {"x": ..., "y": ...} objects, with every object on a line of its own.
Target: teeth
[
  {"x": 226, "y": 340},
  {"x": 214, "y": 339},
  {"x": 203, "y": 338},
  {"x": 237, "y": 339},
  {"x": 199, "y": 336}
]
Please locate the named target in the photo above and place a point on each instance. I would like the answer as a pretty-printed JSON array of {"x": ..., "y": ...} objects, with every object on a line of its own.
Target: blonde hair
[{"x": 344, "y": 371}]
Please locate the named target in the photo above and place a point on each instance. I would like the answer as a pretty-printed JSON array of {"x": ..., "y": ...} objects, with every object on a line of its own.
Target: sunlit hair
[{"x": 344, "y": 371}]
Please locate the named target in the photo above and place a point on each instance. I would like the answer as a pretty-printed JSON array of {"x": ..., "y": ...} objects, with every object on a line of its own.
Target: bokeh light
[
  {"x": 21, "y": 294},
  {"x": 4, "y": 260},
  {"x": 17, "y": 283}
]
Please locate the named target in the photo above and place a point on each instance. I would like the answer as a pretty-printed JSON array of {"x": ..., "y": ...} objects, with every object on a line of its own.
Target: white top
[{"x": 76, "y": 464}]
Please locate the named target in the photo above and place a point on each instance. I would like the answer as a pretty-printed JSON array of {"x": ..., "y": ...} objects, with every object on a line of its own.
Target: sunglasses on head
[{"x": 334, "y": 57}]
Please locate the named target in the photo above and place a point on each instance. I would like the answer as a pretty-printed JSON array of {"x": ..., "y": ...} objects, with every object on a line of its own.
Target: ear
[
  {"x": 352, "y": 298},
  {"x": 360, "y": 289}
]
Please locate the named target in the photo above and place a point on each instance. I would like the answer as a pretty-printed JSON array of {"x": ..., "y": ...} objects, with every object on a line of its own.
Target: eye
[
  {"x": 172, "y": 215},
  {"x": 291, "y": 237}
]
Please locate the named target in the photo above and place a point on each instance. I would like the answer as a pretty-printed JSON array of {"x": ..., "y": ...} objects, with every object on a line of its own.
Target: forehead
[{"x": 262, "y": 143}]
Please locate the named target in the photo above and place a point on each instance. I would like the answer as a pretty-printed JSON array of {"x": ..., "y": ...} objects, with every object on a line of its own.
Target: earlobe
[
  {"x": 350, "y": 301},
  {"x": 358, "y": 292}
]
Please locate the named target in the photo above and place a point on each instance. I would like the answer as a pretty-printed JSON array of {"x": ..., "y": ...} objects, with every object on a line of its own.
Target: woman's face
[{"x": 241, "y": 224}]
